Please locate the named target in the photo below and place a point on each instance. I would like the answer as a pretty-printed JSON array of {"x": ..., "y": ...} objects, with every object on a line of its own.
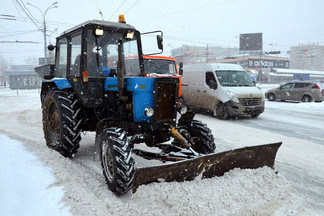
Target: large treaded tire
[
  {"x": 116, "y": 160},
  {"x": 201, "y": 134},
  {"x": 62, "y": 122}
]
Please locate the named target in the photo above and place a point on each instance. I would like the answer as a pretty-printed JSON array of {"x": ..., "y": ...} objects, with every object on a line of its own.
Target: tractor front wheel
[{"x": 116, "y": 160}]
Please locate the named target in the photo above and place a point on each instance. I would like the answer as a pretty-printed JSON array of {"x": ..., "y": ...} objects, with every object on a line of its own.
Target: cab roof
[
  {"x": 158, "y": 57},
  {"x": 100, "y": 23},
  {"x": 213, "y": 67},
  {"x": 225, "y": 67}
]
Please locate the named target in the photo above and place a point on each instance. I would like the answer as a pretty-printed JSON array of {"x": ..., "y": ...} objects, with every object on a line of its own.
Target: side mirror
[
  {"x": 147, "y": 38},
  {"x": 212, "y": 84},
  {"x": 159, "y": 39},
  {"x": 181, "y": 68},
  {"x": 50, "y": 47}
]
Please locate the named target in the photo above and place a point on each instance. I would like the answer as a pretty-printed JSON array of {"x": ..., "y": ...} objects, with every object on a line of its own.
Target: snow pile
[
  {"x": 26, "y": 184},
  {"x": 244, "y": 192}
]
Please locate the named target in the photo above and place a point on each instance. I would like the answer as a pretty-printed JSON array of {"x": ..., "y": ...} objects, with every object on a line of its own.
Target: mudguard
[{"x": 61, "y": 83}]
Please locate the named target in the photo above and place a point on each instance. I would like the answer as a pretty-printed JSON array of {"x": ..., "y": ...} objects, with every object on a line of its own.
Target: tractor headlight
[
  {"x": 149, "y": 112},
  {"x": 130, "y": 35},
  {"x": 232, "y": 96},
  {"x": 99, "y": 32},
  {"x": 183, "y": 110}
]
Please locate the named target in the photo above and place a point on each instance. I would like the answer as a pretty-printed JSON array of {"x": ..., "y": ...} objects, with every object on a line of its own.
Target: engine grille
[
  {"x": 250, "y": 101},
  {"x": 165, "y": 101}
]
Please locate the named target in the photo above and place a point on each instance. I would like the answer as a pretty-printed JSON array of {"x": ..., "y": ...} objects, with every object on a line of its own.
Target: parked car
[{"x": 305, "y": 91}]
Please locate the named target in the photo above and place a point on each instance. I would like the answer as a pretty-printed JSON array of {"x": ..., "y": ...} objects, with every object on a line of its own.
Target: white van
[{"x": 222, "y": 89}]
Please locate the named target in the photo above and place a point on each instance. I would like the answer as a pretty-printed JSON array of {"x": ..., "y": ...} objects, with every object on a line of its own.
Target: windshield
[
  {"x": 102, "y": 54},
  {"x": 233, "y": 78},
  {"x": 159, "y": 66}
]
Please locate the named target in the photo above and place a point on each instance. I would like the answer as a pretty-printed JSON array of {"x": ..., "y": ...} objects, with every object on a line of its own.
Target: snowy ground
[
  {"x": 26, "y": 185},
  {"x": 239, "y": 192}
]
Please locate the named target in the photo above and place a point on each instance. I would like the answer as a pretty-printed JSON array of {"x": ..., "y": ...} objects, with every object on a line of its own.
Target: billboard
[
  {"x": 266, "y": 63},
  {"x": 251, "y": 41}
]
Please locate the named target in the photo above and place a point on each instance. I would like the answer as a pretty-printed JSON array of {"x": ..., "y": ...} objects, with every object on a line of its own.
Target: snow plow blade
[{"x": 208, "y": 166}]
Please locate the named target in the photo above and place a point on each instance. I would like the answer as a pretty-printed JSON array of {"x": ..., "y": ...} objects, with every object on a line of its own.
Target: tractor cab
[
  {"x": 88, "y": 53},
  {"x": 94, "y": 50}
]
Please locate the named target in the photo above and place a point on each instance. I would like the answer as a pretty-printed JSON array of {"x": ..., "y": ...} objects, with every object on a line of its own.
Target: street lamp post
[{"x": 54, "y": 5}]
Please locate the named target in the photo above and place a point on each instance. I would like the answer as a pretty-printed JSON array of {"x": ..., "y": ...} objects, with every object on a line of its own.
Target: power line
[
  {"x": 22, "y": 8},
  {"x": 16, "y": 7},
  {"x": 100, "y": 13},
  {"x": 117, "y": 9},
  {"x": 25, "y": 19},
  {"x": 17, "y": 33},
  {"x": 16, "y": 41},
  {"x": 183, "y": 11},
  {"x": 31, "y": 15},
  {"x": 131, "y": 7}
]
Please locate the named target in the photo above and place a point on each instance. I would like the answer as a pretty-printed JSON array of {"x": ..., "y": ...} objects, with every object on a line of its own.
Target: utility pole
[
  {"x": 207, "y": 55},
  {"x": 260, "y": 68},
  {"x": 54, "y": 5}
]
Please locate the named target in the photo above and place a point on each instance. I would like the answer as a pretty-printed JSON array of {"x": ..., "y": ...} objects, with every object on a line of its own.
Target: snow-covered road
[
  {"x": 304, "y": 124},
  {"x": 300, "y": 120},
  {"x": 296, "y": 190}
]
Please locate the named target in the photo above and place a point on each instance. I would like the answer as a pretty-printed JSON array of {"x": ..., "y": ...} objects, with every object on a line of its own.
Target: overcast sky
[{"x": 191, "y": 22}]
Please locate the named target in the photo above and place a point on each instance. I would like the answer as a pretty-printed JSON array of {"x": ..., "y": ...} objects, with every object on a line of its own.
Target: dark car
[{"x": 305, "y": 91}]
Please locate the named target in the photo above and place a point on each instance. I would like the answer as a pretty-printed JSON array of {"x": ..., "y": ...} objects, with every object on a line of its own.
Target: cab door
[
  {"x": 61, "y": 62},
  {"x": 285, "y": 92},
  {"x": 207, "y": 95},
  {"x": 191, "y": 88},
  {"x": 299, "y": 90},
  {"x": 84, "y": 74},
  {"x": 74, "y": 73}
]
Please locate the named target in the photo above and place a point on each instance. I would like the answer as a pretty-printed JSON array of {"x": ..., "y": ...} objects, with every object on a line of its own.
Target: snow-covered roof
[
  {"x": 296, "y": 71},
  {"x": 100, "y": 22},
  {"x": 21, "y": 72},
  {"x": 225, "y": 66}
]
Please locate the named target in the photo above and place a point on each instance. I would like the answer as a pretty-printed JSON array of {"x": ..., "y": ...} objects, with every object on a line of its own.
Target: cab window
[
  {"x": 287, "y": 86},
  {"x": 61, "y": 60},
  {"x": 210, "y": 80},
  {"x": 75, "y": 55}
]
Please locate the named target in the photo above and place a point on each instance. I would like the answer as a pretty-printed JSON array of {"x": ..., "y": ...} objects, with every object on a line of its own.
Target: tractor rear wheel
[
  {"x": 116, "y": 160},
  {"x": 62, "y": 122},
  {"x": 199, "y": 135}
]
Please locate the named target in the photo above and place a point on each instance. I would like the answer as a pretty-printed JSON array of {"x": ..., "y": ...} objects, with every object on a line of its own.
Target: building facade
[
  {"x": 307, "y": 57},
  {"x": 23, "y": 77},
  {"x": 249, "y": 60}
]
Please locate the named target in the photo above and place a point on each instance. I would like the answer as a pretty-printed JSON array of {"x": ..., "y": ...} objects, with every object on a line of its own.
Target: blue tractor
[{"x": 98, "y": 83}]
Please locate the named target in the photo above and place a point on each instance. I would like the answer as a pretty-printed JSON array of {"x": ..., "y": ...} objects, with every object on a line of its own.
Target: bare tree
[{"x": 3, "y": 66}]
